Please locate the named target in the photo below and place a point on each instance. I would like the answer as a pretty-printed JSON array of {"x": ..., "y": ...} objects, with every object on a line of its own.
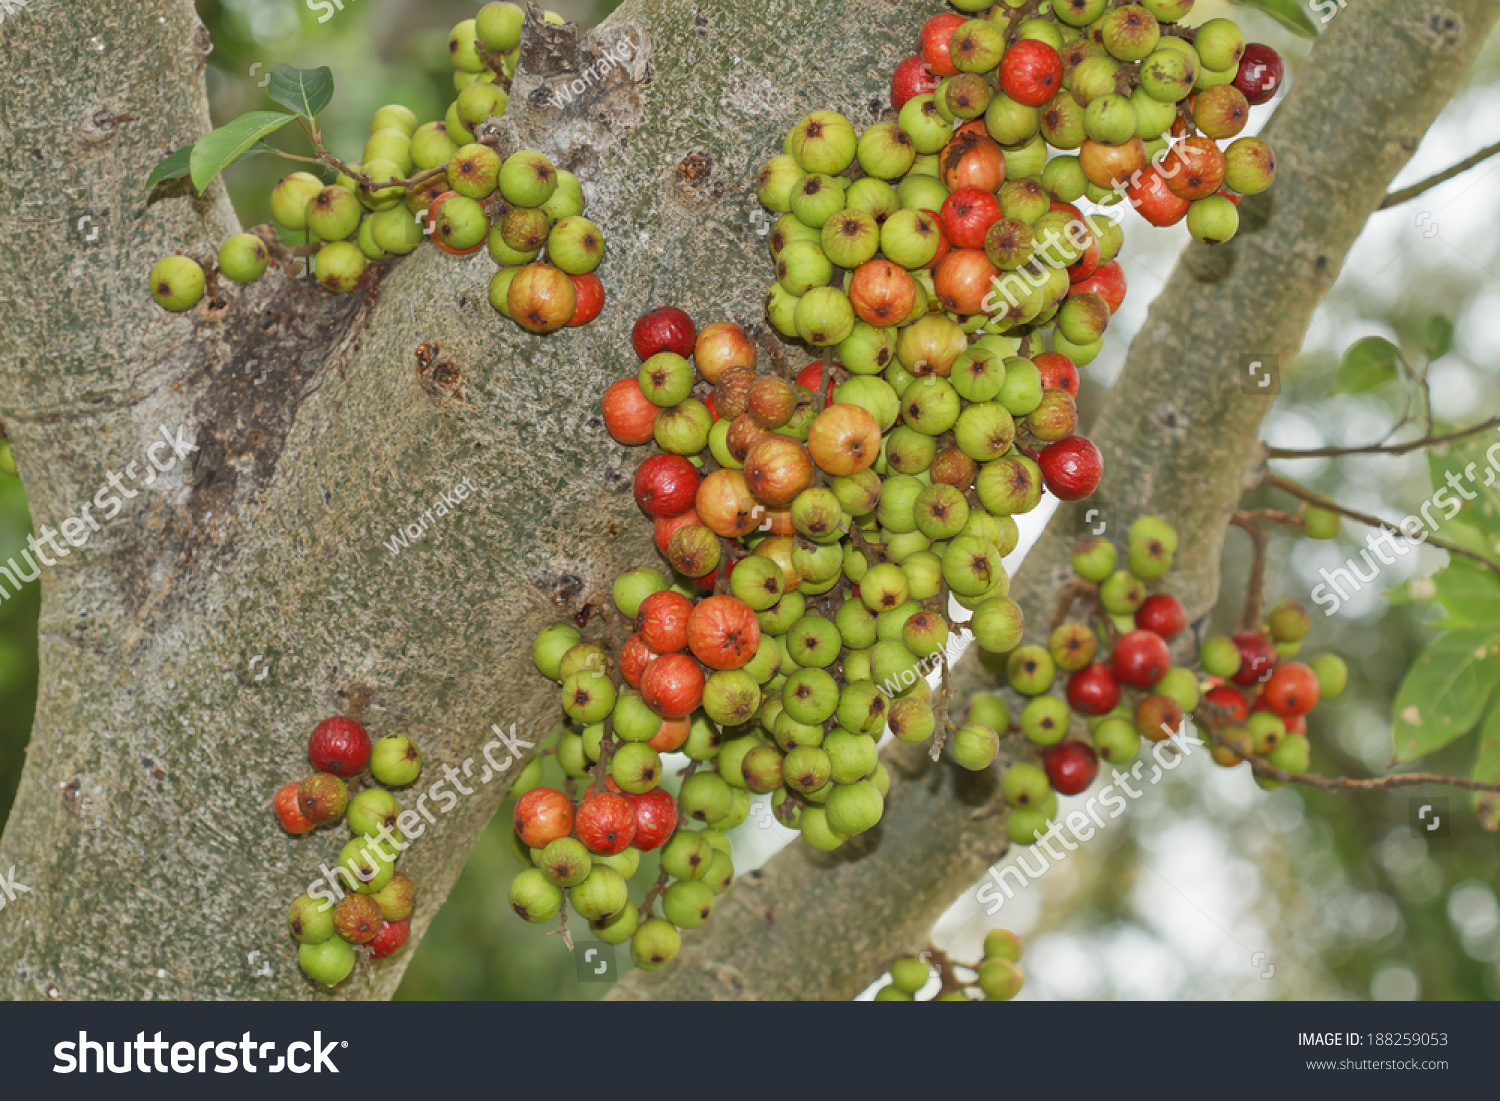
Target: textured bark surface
[
  {"x": 1179, "y": 433},
  {"x": 142, "y": 826}
]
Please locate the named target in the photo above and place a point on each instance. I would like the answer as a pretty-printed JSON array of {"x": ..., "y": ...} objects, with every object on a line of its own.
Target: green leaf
[
  {"x": 304, "y": 91},
  {"x": 1444, "y": 692},
  {"x": 1368, "y": 365},
  {"x": 1473, "y": 500},
  {"x": 170, "y": 167},
  {"x": 1469, "y": 593},
  {"x": 1487, "y": 769},
  {"x": 217, "y": 150},
  {"x": 1437, "y": 340},
  {"x": 175, "y": 165},
  {"x": 1288, "y": 13},
  {"x": 1473, "y": 539}
]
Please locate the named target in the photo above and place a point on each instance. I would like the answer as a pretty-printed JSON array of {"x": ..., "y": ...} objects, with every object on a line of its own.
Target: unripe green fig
[
  {"x": 618, "y": 927},
  {"x": 366, "y": 239},
  {"x": 687, "y": 855},
  {"x": 575, "y": 245},
  {"x": 334, "y": 213},
  {"x": 338, "y": 266},
  {"x": 1220, "y": 657},
  {"x": 1002, "y": 944},
  {"x": 243, "y": 257},
  {"x": 460, "y": 223},
  {"x": 1025, "y": 785},
  {"x": 975, "y": 746},
  {"x": 688, "y": 903},
  {"x": 461, "y": 47},
  {"x": 395, "y": 760},
  {"x": 457, "y": 131},
  {"x": 381, "y": 172},
  {"x": 817, "y": 831},
  {"x": 370, "y": 810},
  {"x": 366, "y": 865},
  {"x": 550, "y": 645},
  {"x": 328, "y": 962},
  {"x": 389, "y": 145},
  {"x": 1318, "y": 523},
  {"x": 1332, "y": 674},
  {"x": 527, "y": 178},
  {"x": 565, "y": 862},
  {"x": 1000, "y": 979},
  {"x": 177, "y": 283},
  {"x": 1289, "y": 622},
  {"x": 1022, "y": 825},
  {"x": 498, "y": 27},
  {"x": 311, "y": 921},
  {"x": 481, "y": 100},
  {"x": 474, "y": 170},
  {"x": 909, "y": 974},
  {"x": 854, "y": 808},
  {"x": 1294, "y": 754},
  {"x": 289, "y": 199},
  {"x": 601, "y": 893},
  {"x": 655, "y": 944},
  {"x": 567, "y": 200},
  {"x": 533, "y": 898}
]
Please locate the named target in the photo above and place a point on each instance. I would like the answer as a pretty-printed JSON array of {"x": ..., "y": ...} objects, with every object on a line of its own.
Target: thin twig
[
  {"x": 1273, "y": 516},
  {"x": 495, "y": 63},
  {"x": 654, "y": 893},
  {"x": 606, "y": 752},
  {"x": 943, "y": 722},
  {"x": 1426, "y": 441},
  {"x": 607, "y": 738},
  {"x": 825, "y": 379},
  {"x": 875, "y": 550},
  {"x": 947, "y": 973},
  {"x": 370, "y": 185},
  {"x": 1406, "y": 194},
  {"x": 1335, "y": 784},
  {"x": 1106, "y": 621},
  {"x": 1275, "y": 481},
  {"x": 1029, "y": 10},
  {"x": 1405, "y": 418},
  {"x": 1077, "y": 589},
  {"x": 562, "y": 925},
  {"x": 1255, "y": 587}
]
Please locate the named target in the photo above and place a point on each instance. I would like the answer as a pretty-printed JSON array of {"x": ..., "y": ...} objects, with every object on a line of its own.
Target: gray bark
[{"x": 1179, "y": 433}]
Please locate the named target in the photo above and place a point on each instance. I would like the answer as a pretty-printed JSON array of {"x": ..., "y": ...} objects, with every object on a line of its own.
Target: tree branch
[
  {"x": 1406, "y": 194},
  {"x": 1302, "y": 493},
  {"x": 1336, "y": 784},
  {"x": 1422, "y": 443}
]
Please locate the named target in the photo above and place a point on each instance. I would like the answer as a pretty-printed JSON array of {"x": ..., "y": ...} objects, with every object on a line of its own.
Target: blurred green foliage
[{"x": 18, "y": 643}]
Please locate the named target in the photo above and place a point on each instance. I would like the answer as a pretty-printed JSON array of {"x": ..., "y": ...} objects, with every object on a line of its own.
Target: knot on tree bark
[{"x": 583, "y": 93}]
